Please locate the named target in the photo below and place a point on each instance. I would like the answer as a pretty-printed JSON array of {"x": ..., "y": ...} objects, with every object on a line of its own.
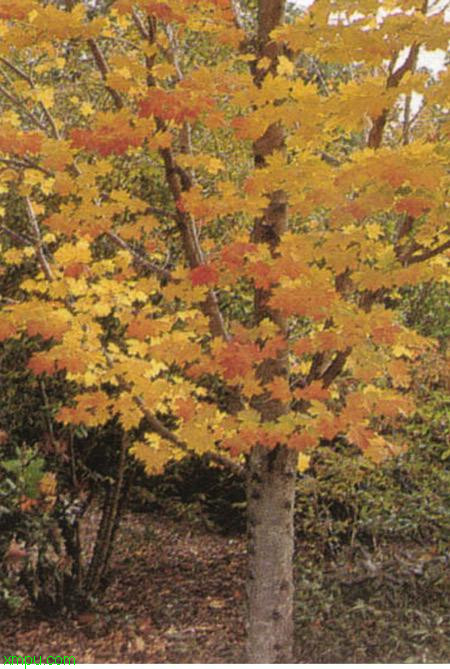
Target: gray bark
[{"x": 270, "y": 589}]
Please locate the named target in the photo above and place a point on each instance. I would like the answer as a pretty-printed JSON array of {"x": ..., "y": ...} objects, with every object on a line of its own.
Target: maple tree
[{"x": 209, "y": 235}]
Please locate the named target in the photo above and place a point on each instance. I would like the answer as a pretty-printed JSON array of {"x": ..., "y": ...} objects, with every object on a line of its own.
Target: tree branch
[
  {"x": 139, "y": 24},
  {"x": 270, "y": 15},
  {"x": 38, "y": 244},
  {"x": 103, "y": 68},
  {"x": 138, "y": 258},
  {"x": 191, "y": 244},
  {"x": 178, "y": 180},
  {"x": 393, "y": 80},
  {"x": 336, "y": 367},
  {"x": 159, "y": 428},
  {"x": 20, "y": 73},
  {"x": 18, "y": 103},
  {"x": 16, "y": 236},
  {"x": 166, "y": 434},
  {"x": 429, "y": 253},
  {"x": 25, "y": 163}
]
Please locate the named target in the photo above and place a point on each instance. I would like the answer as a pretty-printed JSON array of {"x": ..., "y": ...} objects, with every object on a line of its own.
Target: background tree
[{"x": 212, "y": 239}]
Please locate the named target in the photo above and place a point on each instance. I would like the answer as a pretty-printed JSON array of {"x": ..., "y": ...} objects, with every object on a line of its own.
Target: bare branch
[
  {"x": 138, "y": 258},
  {"x": 165, "y": 433},
  {"x": 237, "y": 12},
  {"x": 393, "y": 80},
  {"x": 172, "y": 52},
  {"x": 429, "y": 253},
  {"x": 139, "y": 24},
  {"x": 38, "y": 244},
  {"x": 26, "y": 164},
  {"x": 161, "y": 212},
  {"x": 20, "y": 73},
  {"x": 23, "y": 75},
  {"x": 408, "y": 66},
  {"x": 406, "y": 125},
  {"x": 19, "y": 103},
  {"x": 191, "y": 243},
  {"x": 51, "y": 121},
  {"x": 103, "y": 68},
  {"x": 16, "y": 236},
  {"x": 336, "y": 367}
]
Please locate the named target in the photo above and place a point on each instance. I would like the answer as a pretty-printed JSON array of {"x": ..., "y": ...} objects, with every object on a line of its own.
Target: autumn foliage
[{"x": 140, "y": 301}]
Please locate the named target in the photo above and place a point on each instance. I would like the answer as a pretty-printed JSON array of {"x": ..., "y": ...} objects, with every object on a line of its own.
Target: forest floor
[{"x": 176, "y": 595}]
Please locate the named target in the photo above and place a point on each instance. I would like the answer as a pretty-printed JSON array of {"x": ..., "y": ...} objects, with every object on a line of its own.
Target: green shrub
[
  {"x": 387, "y": 605},
  {"x": 41, "y": 510}
]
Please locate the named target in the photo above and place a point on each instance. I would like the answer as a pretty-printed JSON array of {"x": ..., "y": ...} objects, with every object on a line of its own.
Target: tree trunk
[
  {"x": 271, "y": 472},
  {"x": 270, "y": 588}
]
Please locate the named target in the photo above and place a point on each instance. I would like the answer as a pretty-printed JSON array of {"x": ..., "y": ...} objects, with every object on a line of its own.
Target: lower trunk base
[{"x": 270, "y": 588}]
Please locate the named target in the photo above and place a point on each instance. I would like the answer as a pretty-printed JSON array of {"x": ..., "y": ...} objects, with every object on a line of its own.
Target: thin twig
[
  {"x": 406, "y": 125},
  {"x": 138, "y": 258},
  {"x": 16, "y": 236},
  {"x": 48, "y": 415},
  {"x": 23, "y": 75},
  {"x": 19, "y": 103},
  {"x": 51, "y": 121},
  {"x": 18, "y": 71},
  {"x": 25, "y": 163},
  {"x": 139, "y": 24},
  {"x": 38, "y": 244}
]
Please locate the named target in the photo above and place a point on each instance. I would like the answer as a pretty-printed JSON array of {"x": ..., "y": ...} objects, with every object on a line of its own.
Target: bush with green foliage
[{"x": 45, "y": 493}]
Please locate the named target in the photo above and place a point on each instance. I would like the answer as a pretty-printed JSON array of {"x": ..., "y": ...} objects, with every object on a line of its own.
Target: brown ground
[{"x": 176, "y": 597}]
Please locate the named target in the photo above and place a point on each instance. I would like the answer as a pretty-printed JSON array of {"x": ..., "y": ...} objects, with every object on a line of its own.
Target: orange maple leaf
[
  {"x": 300, "y": 441},
  {"x": 413, "y": 206},
  {"x": 279, "y": 389},
  {"x": 236, "y": 359},
  {"x": 204, "y": 275},
  {"x": 185, "y": 408},
  {"x": 314, "y": 391}
]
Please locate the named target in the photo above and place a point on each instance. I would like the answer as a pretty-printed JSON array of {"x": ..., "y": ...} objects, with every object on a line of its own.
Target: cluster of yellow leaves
[
  {"x": 82, "y": 195},
  {"x": 38, "y": 24},
  {"x": 363, "y": 31},
  {"x": 155, "y": 453}
]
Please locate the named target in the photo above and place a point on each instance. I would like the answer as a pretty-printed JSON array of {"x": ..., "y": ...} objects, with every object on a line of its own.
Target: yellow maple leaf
[
  {"x": 45, "y": 95},
  {"x": 13, "y": 256},
  {"x": 398, "y": 350},
  {"x": 153, "y": 453},
  {"x": 374, "y": 230},
  {"x": 303, "y": 462},
  {"x": 130, "y": 413},
  {"x": 285, "y": 66},
  {"x": 70, "y": 253},
  {"x": 87, "y": 109},
  {"x": 263, "y": 63}
]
